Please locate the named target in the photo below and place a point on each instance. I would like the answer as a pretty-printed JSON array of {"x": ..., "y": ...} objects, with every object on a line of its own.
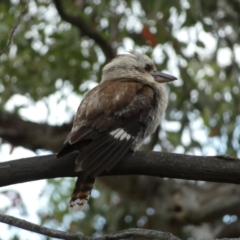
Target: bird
[{"x": 114, "y": 118}]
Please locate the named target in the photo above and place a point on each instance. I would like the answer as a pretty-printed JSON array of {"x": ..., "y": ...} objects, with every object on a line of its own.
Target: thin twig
[
  {"x": 16, "y": 24},
  {"x": 125, "y": 234},
  {"x": 136, "y": 232},
  {"x": 13, "y": 221},
  {"x": 86, "y": 29}
]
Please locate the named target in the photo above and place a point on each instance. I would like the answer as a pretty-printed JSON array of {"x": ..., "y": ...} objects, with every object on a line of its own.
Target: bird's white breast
[{"x": 154, "y": 117}]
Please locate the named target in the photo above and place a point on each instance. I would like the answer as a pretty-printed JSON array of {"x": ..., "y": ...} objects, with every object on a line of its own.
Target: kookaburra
[{"x": 114, "y": 118}]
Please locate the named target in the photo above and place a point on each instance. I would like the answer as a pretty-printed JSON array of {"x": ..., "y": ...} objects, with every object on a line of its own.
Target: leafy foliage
[{"x": 197, "y": 41}]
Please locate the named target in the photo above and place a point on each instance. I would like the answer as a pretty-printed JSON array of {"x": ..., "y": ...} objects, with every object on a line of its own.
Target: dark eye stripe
[{"x": 147, "y": 67}]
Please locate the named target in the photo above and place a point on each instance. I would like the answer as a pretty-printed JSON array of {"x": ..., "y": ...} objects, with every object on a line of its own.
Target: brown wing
[{"x": 106, "y": 124}]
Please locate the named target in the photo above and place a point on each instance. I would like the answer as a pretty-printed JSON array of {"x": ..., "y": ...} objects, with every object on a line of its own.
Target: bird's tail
[{"x": 81, "y": 192}]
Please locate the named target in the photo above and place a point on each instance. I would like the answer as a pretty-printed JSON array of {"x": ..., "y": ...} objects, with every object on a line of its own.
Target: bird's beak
[{"x": 162, "y": 77}]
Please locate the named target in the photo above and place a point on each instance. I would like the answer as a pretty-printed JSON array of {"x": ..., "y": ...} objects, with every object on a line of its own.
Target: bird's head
[{"x": 134, "y": 66}]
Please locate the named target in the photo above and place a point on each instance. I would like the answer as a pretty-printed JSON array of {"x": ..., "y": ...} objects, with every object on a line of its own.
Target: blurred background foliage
[{"x": 63, "y": 45}]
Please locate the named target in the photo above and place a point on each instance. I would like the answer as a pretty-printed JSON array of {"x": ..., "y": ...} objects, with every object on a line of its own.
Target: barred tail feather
[{"x": 81, "y": 193}]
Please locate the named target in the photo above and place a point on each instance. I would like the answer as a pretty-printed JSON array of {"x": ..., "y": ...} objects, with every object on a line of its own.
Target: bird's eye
[{"x": 147, "y": 67}]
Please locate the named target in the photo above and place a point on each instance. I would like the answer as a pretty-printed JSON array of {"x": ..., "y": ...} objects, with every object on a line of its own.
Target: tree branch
[
  {"x": 232, "y": 230},
  {"x": 19, "y": 132},
  {"x": 125, "y": 234},
  {"x": 39, "y": 229},
  {"x": 214, "y": 199},
  {"x": 214, "y": 169},
  {"x": 136, "y": 232},
  {"x": 86, "y": 29},
  {"x": 16, "y": 24}
]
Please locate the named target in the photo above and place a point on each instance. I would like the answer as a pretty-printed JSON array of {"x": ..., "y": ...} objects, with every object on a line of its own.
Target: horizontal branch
[
  {"x": 125, "y": 234},
  {"x": 158, "y": 164},
  {"x": 19, "y": 132}
]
